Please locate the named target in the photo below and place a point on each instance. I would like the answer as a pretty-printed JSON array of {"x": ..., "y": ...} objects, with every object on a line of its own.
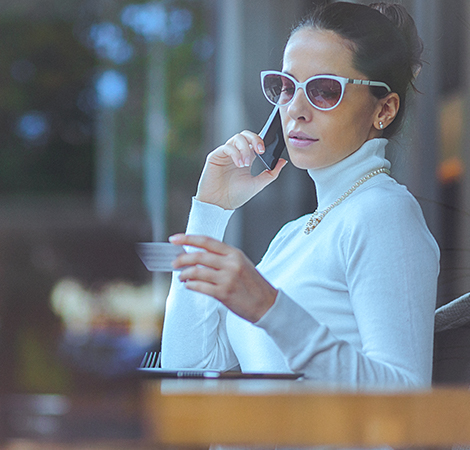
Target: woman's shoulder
[
  {"x": 387, "y": 216},
  {"x": 294, "y": 225},
  {"x": 384, "y": 204},
  {"x": 289, "y": 231},
  {"x": 385, "y": 196}
]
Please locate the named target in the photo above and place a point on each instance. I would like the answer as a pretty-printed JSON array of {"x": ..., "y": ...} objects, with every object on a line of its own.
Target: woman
[{"x": 346, "y": 294}]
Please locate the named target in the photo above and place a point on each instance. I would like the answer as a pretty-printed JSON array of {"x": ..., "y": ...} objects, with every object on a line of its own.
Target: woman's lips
[{"x": 300, "y": 139}]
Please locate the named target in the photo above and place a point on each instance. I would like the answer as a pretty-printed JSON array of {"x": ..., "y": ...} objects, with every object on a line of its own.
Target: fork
[{"x": 151, "y": 360}]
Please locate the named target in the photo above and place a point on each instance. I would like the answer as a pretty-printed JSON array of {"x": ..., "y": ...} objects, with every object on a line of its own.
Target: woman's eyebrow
[
  {"x": 317, "y": 75},
  {"x": 288, "y": 73}
]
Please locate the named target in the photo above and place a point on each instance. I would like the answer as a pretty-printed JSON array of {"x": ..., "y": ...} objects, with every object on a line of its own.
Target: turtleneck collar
[{"x": 333, "y": 181}]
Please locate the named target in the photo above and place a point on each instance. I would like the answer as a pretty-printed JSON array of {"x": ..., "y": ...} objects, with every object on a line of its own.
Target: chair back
[{"x": 451, "y": 363}]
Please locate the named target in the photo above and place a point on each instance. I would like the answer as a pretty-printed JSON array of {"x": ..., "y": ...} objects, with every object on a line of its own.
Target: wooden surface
[{"x": 259, "y": 412}]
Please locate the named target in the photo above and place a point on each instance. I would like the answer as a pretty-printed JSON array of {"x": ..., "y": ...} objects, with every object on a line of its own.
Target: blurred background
[{"x": 107, "y": 111}]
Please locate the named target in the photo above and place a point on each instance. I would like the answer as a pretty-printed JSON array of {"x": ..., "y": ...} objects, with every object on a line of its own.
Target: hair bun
[{"x": 398, "y": 15}]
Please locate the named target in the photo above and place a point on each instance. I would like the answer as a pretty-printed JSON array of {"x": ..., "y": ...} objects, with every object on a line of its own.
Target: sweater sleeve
[
  {"x": 194, "y": 334},
  {"x": 391, "y": 263}
]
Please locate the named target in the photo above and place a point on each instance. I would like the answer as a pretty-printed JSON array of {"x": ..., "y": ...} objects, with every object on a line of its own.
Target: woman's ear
[{"x": 387, "y": 110}]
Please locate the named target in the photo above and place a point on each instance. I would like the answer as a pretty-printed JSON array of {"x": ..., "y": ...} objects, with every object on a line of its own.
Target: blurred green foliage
[
  {"x": 47, "y": 71},
  {"x": 44, "y": 70}
]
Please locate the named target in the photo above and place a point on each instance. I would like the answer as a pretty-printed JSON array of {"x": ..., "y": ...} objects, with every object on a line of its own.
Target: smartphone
[{"x": 273, "y": 139}]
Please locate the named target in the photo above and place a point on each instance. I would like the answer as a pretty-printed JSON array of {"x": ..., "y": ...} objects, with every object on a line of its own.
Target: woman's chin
[{"x": 303, "y": 162}]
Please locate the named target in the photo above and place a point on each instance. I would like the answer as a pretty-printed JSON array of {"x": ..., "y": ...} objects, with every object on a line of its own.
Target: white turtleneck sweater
[{"x": 356, "y": 296}]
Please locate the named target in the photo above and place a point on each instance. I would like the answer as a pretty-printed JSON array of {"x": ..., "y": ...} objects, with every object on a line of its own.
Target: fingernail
[
  {"x": 241, "y": 163},
  {"x": 247, "y": 162},
  {"x": 261, "y": 148},
  {"x": 175, "y": 238}
]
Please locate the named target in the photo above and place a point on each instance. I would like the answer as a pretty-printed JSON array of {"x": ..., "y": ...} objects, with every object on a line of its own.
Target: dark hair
[{"x": 384, "y": 40}]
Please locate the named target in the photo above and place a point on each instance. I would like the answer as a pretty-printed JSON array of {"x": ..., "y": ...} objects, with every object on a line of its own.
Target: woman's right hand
[{"x": 226, "y": 179}]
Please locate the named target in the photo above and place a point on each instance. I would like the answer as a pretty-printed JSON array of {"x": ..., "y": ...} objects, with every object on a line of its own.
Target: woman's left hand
[{"x": 225, "y": 273}]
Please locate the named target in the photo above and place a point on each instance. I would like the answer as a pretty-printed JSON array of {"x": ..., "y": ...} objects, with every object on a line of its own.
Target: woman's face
[{"x": 315, "y": 138}]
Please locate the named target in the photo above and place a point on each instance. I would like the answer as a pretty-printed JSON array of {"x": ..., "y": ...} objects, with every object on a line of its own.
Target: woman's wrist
[
  {"x": 265, "y": 305},
  {"x": 209, "y": 201},
  {"x": 207, "y": 219}
]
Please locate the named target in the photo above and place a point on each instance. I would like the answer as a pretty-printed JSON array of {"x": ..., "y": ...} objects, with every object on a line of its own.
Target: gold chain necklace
[{"x": 318, "y": 216}]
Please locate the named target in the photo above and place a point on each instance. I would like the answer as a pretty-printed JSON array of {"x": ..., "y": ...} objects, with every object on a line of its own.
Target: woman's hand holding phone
[{"x": 226, "y": 179}]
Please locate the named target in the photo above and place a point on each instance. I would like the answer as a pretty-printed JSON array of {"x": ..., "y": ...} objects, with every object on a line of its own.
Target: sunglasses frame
[{"x": 341, "y": 80}]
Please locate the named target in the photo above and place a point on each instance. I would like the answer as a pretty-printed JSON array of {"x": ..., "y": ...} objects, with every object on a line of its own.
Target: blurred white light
[
  {"x": 111, "y": 89},
  {"x": 32, "y": 125},
  {"x": 108, "y": 41},
  {"x": 153, "y": 22},
  {"x": 148, "y": 20},
  {"x": 180, "y": 21}
]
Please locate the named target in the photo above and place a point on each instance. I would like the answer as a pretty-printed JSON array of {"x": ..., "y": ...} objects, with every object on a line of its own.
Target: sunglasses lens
[
  {"x": 324, "y": 93},
  {"x": 278, "y": 89}
]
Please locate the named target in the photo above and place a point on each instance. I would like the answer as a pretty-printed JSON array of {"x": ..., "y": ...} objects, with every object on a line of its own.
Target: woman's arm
[
  {"x": 194, "y": 332},
  {"x": 392, "y": 266},
  {"x": 194, "y": 327}
]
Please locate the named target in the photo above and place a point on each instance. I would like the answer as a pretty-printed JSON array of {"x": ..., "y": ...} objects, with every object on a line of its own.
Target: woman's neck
[{"x": 333, "y": 181}]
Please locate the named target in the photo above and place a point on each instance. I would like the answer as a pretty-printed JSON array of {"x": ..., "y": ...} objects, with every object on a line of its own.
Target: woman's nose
[{"x": 300, "y": 108}]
